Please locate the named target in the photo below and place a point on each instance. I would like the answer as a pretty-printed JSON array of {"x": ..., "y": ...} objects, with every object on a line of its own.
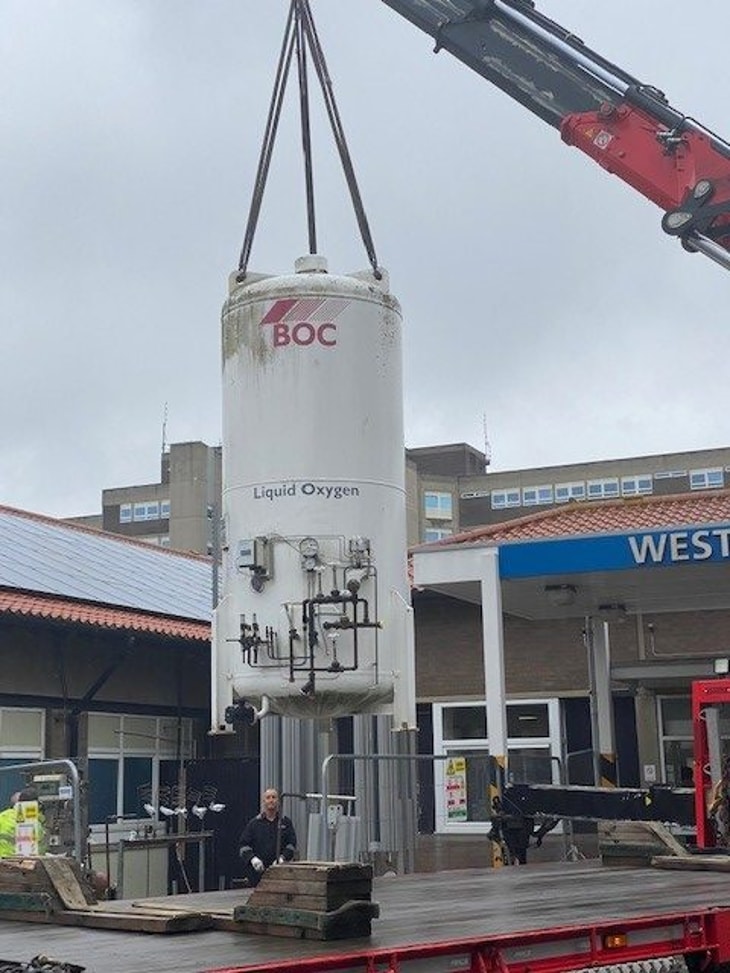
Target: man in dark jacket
[{"x": 266, "y": 839}]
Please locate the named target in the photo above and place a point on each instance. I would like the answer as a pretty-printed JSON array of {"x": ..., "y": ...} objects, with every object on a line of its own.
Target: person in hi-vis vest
[{"x": 9, "y": 819}]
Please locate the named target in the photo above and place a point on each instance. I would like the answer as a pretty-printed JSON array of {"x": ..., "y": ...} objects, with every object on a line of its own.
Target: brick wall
[
  {"x": 544, "y": 658},
  {"x": 540, "y": 657}
]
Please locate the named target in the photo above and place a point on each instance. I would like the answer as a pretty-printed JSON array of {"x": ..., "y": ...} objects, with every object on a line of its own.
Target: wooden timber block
[
  {"x": 317, "y": 886},
  {"x": 636, "y": 842},
  {"x": 58, "y": 880},
  {"x": 124, "y": 921},
  {"x": 696, "y": 863},
  {"x": 313, "y": 900},
  {"x": 65, "y": 875},
  {"x": 350, "y": 921}
]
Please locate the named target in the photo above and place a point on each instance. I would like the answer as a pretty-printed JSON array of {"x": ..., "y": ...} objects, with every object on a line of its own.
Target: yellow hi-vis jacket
[
  {"x": 8, "y": 817},
  {"x": 8, "y": 820}
]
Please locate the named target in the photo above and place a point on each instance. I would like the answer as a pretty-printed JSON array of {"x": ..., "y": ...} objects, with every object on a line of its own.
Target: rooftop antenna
[
  {"x": 164, "y": 429},
  {"x": 487, "y": 444}
]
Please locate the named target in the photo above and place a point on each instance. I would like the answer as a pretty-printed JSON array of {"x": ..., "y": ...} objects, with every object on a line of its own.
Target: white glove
[
  {"x": 281, "y": 860},
  {"x": 257, "y": 864}
]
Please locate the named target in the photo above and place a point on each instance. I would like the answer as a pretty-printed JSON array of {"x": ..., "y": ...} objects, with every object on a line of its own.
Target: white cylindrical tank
[{"x": 315, "y": 599}]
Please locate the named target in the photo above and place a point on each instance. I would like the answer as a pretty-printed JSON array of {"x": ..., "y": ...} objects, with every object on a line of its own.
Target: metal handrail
[{"x": 366, "y": 757}]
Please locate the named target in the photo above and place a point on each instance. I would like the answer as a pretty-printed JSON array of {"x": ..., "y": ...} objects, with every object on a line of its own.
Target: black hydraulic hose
[{"x": 568, "y": 37}]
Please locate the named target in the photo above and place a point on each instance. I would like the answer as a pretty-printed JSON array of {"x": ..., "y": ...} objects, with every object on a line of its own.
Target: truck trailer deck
[{"x": 538, "y": 918}]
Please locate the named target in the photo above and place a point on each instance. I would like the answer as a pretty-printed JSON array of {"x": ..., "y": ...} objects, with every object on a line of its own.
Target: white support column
[
  {"x": 493, "y": 649},
  {"x": 599, "y": 646},
  {"x": 453, "y": 566},
  {"x": 495, "y": 692}
]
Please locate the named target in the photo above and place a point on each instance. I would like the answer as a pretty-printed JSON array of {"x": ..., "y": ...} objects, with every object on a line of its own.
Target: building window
[
  {"x": 461, "y": 733},
  {"x": 502, "y": 499},
  {"x": 670, "y": 474},
  {"x": 22, "y": 733},
  {"x": 537, "y": 496},
  {"x": 158, "y": 540},
  {"x": 602, "y": 489},
  {"x": 527, "y": 720},
  {"x": 706, "y": 479},
  {"x": 432, "y": 534},
  {"x": 164, "y": 509},
  {"x": 636, "y": 486},
  {"x": 125, "y": 513},
  {"x": 124, "y": 760},
  {"x": 437, "y": 506},
  {"x": 465, "y": 722},
  {"x": 569, "y": 491},
  {"x": 676, "y": 741},
  {"x": 147, "y": 510}
]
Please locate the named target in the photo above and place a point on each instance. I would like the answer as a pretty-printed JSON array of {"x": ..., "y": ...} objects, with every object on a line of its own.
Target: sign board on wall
[
  {"x": 455, "y": 786},
  {"x": 616, "y": 552},
  {"x": 27, "y": 828}
]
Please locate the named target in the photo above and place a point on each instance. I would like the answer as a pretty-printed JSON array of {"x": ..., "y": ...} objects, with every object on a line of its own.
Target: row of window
[
  {"x": 602, "y": 489},
  {"x": 432, "y": 534},
  {"x": 606, "y": 489},
  {"x": 125, "y": 754},
  {"x": 144, "y": 511}
]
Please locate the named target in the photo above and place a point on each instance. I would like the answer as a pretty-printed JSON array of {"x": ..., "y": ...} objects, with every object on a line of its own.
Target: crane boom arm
[{"x": 627, "y": 127}]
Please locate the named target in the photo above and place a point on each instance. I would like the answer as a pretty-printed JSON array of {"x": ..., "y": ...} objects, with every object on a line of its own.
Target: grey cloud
[{"x": 535, "y": 287}]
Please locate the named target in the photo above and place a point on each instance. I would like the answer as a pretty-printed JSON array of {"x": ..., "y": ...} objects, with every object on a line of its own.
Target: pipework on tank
[
  {"x": 352, "y": 615},
  {"x": 252, "y": 643}
]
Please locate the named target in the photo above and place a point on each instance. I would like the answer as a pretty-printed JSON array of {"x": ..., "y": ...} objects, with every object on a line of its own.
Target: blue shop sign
[{"x": 615, "y": 552}]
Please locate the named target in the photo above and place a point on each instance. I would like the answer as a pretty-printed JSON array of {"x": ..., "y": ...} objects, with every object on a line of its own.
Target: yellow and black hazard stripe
[
  {"x": 607, "y": 767},
  {"x": 496, "y": 786}
]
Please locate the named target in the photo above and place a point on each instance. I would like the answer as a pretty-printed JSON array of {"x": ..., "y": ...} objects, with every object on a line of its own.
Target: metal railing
[{"x": 406, "y": 847}]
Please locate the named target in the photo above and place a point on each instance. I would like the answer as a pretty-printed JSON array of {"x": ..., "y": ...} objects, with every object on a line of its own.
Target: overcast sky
[{"x": 536, "y": 289}]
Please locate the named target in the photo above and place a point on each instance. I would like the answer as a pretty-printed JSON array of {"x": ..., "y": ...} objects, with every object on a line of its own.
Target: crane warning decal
[
  {"x": 305, "y": 321},
  {"x": 603, "y": 140}
]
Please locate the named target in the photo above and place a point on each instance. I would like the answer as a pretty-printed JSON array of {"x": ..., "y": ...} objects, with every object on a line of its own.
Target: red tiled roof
[
  {"x": 13, "y": 602},
  {"x": 603, "y": 517}
]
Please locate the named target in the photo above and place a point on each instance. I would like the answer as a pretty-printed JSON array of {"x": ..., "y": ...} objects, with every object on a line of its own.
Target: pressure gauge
[{"x": 309, "y": 547}]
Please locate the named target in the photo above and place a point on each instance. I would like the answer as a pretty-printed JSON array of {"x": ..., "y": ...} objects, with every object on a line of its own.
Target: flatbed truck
[{"x": 541, "y": 918}]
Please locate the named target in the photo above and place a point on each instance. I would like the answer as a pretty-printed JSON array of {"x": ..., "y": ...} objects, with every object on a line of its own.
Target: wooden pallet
[
  {"x": 694, "y": 863},
  {"x": 637, "y": 843},
  {"x": 53, "y": 890}
]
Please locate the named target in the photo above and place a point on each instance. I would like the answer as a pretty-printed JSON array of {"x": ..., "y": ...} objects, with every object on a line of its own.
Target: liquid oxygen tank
[{"x": 314, "y": 618}]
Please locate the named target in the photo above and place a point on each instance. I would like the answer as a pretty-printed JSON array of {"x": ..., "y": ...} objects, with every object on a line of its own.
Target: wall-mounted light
[
  {"x": 560, "y": 595},
  {"x": 612, "y": 612}
]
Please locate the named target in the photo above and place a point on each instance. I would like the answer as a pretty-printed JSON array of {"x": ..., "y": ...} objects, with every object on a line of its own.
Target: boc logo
[{"x": 304, "y": 321}]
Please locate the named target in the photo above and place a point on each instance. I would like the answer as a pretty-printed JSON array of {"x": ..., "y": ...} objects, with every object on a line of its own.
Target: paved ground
[{"x": 427, "y": 908}]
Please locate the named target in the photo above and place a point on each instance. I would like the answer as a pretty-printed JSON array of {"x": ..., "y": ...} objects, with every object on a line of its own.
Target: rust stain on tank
[{"x": 242, "y": 329}]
